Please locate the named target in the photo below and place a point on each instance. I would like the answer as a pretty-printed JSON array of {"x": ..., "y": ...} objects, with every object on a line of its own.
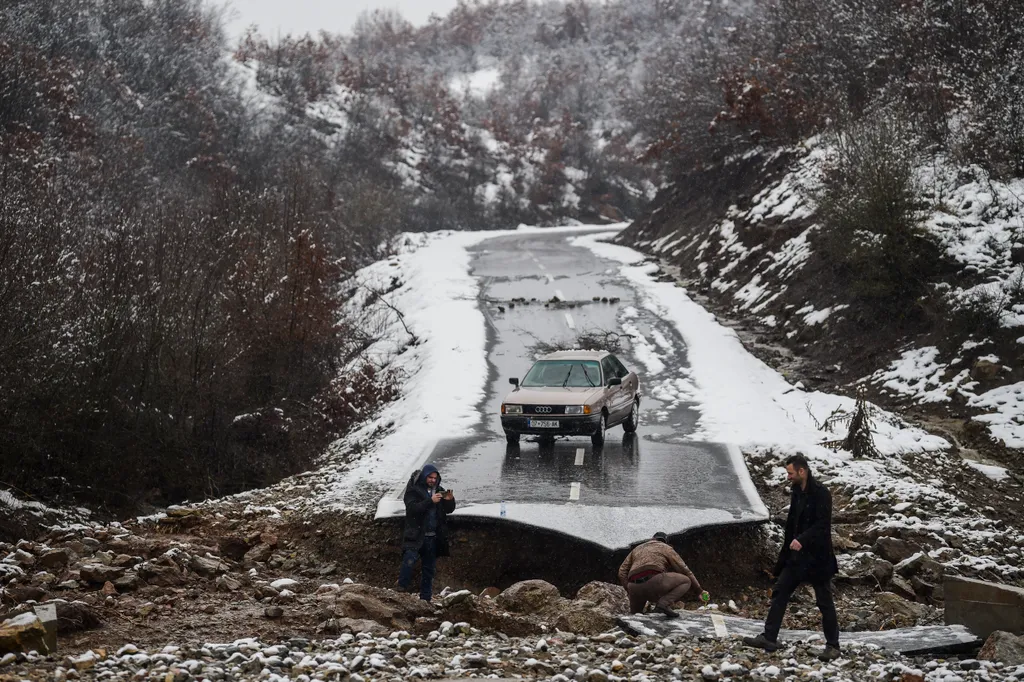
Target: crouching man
[
  {"x": 425, "y": 538},
  {"x": 654, "y": 572}
]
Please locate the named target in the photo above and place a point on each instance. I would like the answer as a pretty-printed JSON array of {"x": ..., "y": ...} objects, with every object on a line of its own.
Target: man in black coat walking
[
  {"x": 425, "y": 537},
  {"x": 806, "y": 556}
]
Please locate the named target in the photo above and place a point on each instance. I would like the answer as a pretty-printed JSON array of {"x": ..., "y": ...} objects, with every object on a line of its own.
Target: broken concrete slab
[
  {"x": 984, "y": 607},
  {"x": 935, "y": 639}
]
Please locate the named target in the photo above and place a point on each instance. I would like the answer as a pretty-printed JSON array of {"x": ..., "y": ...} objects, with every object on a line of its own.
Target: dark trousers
[
  {"x": 427, "y": 554},
  {"x": 790, "y": 579}
]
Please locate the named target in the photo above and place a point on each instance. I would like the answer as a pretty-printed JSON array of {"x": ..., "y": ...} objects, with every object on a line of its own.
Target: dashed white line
[
  {"x": 549, "y": 278},
  {"x": 540, "y": 265},
  {"x": 569, "y": 321},
  {"x": 719, "y": 623},
  {"x": 579, "y": 456},
  {"x": 559, "y": 294},
  {"x": 574, "y": 491}
]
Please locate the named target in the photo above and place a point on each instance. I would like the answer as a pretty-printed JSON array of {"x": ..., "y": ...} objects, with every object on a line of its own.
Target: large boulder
[
  {"x": 394, "y": 609},
  {"x": 605, "y": 596},
  {"x": 529, "y": 596},
  {"x": 1003, "y": 647},
  {"x": 894, "y": 550},
  {"x": 339, "y": 626},
  {"x": 23, "y": 633},
  {"x": 233, "y": 547}
]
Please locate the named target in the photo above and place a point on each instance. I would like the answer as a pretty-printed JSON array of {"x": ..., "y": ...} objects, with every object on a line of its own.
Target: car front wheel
[
  {"x": 598, "y": 437},
  {"x": 633, "y": 420}
]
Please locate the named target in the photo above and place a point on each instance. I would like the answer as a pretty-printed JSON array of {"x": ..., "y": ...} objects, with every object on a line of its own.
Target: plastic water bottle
[{"x": 705, "y": 597}]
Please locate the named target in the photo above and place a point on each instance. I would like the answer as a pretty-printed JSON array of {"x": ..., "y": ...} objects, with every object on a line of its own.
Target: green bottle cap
[{"x": 705, "y": 597}]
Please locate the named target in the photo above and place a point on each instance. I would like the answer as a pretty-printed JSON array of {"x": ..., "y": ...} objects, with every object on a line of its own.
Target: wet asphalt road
[{"x": 615, "y": 495}]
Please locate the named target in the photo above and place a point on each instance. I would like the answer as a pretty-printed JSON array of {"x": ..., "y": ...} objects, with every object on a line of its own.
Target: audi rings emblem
[{"x": 542, "y": 410}]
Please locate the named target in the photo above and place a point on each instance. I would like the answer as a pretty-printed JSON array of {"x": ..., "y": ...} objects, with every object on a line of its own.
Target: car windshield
[{"x": 565, "y": 373}]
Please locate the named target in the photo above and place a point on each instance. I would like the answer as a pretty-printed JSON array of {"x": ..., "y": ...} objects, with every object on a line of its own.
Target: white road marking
[
  {"x": 549, "y": 278},
  {"x": 559, "y": 294},
  {"x": 719, "y": 623},
  {"x": 574, "y": 491},
  {"x": 579, "y": 456},
  {"x": 569, "y": 321},
  {"x": 540, "y": 265}
]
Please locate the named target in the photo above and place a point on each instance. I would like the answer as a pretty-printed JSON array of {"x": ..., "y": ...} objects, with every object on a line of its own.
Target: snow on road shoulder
[{"x": 741, "y": 399}]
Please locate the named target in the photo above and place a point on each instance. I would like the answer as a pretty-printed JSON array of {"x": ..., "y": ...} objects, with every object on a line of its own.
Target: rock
[
  {"x": 611, "y": 598},
  {"x": 24, "y": 593},
  {"x": 584, "y": 620},
  {"x": 226, "y": 583},
  {"x": 285, "y": 583},
  {"x": 84, "y": 661},
  {"x": 108, "y": 589},
  {"x": 865, "y": 569},
  {"x": 98, "y": 574},
  {"x": 894, "y": 550},
  {"x": 985, "y": 370},
  {"x": 1003, "y": 647},
  {"x": 233, "y": 547},
  {"x": 456, "y": 598},
  {"x": 127, "y": 560},
  {"x": 902, "y": 587},
  {"x": 490, "y": 593},
  {"x": 75, "y": 616},
  {"x": 843, "y": 543},
  {"x": 897, "y": 607},
  {"x": 259, "y": 554},
  {"x": 921, "y": 565},
  {"x": 207, "y": 567},
  {"x": 337, "y": 626},
  {"x": 23, "y": 633},
  {"x": 363, "y": 602},
  {"x": 24, "y": 559},
  {"x": 273, "y": 612},
  {"x": 528, "y": 596},
  {"x": 129, "y": 582},
  {"x": 160, "y": 574},
  {"x": 55, "y": 559}
]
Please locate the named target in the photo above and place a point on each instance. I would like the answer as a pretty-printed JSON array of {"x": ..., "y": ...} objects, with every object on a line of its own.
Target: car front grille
[{"x": 544, "y": 409}]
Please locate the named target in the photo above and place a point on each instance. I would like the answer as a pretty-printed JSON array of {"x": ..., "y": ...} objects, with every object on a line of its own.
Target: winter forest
[{"x": 180, "y": 215}]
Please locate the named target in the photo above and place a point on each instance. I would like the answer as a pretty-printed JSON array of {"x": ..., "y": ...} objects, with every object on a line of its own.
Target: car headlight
[
  {"x": 577, "y": 409},
  {"x": 511, "y": 409}
]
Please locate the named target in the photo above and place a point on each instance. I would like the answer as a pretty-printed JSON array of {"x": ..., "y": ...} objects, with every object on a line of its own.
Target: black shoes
[
  {"x": 762, "y": 642},
  {"x": 830, "y": 653},
  {"x": 669, "y": 613}
]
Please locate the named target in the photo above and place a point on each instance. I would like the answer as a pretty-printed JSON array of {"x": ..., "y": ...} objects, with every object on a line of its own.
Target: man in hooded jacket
[
  {"x": 807, "y": 556},
  {"x": 427, "y": 505}
]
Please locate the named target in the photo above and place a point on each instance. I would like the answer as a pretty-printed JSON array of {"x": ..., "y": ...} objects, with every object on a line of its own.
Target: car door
[
  {"x": 618, "y": 398},
  {"x": 630, "y": 383}
]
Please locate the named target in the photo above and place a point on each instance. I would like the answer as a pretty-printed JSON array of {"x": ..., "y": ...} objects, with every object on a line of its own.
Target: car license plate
[{"x": 543, "y": 423}]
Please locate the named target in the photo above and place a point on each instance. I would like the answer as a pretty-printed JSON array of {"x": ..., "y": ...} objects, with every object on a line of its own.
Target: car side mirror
[
  {"x": 514, "y": 381},
  {"x": 614, "y": 381}
]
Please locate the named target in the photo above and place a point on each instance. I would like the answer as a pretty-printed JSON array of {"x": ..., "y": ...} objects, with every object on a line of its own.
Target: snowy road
[{"x": 662, "y": 478}]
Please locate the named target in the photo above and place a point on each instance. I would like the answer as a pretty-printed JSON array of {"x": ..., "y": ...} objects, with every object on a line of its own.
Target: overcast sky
[{"x": 335, "y": 16}]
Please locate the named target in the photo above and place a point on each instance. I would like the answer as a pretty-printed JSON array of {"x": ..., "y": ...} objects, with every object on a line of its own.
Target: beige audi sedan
[{"x": 572, "y": 393}]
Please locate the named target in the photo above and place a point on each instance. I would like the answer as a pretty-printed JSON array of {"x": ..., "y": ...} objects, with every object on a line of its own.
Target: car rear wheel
[
  {"x": 512, "y": 438},
  {"x": 598, "y": 437},
  {"x": 633, "y": 420}
]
